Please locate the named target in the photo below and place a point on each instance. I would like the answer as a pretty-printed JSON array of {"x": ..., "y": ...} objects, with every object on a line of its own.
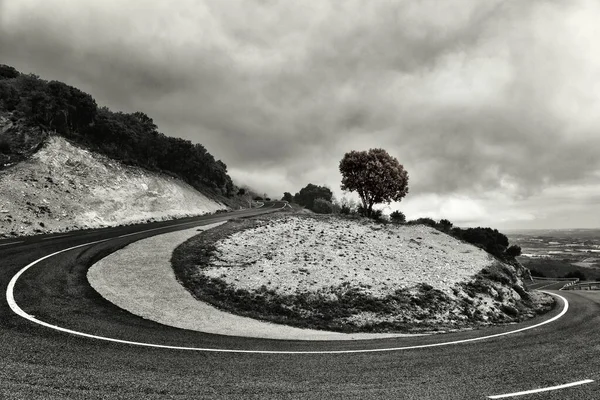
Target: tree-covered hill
[{"x": 134, "y": 139}]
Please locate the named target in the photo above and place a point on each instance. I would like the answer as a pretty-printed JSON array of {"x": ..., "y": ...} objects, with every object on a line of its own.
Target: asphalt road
[{"x": 41, "y": 363}]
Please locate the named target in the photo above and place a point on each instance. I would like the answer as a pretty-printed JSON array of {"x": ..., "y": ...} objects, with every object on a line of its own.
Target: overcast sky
[{"x": 493, "y": 107}]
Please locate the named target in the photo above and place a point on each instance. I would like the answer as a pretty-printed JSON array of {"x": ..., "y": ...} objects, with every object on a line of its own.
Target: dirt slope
[{"x": 63, "y": 187}]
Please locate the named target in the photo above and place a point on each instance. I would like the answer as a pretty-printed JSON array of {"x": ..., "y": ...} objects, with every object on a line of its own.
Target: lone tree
[{"x": 376, "y": 176}]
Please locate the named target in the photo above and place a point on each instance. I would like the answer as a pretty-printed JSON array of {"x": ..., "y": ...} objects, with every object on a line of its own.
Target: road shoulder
[{"x": 139, "y": 279}]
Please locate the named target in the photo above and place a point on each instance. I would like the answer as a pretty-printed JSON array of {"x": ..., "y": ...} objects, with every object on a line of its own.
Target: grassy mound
[{"x": 494, "y": 295}]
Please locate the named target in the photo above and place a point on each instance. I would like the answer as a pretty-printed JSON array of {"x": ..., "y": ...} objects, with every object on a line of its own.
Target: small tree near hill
[
  {"x": 307, "y": 195},
  {"x": 397, "y": 217},
  {"x": 287, "y": 196},
  {"x": 322, "y": 206},
  {"x": 513, "y": 251},
  {"x": 376, "y": 176},
  {"x": 445, "y": 225}
]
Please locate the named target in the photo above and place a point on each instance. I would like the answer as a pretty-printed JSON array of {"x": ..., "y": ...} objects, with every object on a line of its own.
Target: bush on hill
[
  {"x": 287, "y": 196},
  {"x": 322, "y": 206},
  {"x": 397, "y": 217},
  {"x": 307, "y": 195},
  {"x": 488, "y": 239},
  {"x": 445, "y": 225},
  {"x": 513, "y": 251},
  {"x": 423, "y": 221}
]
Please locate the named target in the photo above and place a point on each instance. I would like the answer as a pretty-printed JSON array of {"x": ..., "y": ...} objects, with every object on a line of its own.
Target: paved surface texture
[
  {"x": 139, "y": 278},
  {"x": 39, "y": 363}
]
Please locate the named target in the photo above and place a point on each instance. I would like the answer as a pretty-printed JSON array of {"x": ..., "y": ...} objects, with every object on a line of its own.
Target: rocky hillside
[{"x": 64, "y": 187}]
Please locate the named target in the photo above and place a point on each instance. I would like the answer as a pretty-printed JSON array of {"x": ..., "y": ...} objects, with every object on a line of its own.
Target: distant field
[{"x": 556, "y": 253}]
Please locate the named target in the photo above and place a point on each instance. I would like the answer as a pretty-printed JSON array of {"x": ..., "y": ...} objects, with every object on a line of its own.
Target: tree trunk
[{"x": 370, "y": 210}]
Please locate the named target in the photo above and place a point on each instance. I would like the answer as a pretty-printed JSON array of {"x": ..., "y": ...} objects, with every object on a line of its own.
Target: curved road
[{"x": 40, "y": 363}]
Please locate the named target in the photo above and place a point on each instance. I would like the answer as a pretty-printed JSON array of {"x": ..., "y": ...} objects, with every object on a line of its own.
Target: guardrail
[
  {"x": 569, "y": 281},
  {"x": 583, "y": 286},
  {"x": 568, "y": 285}
]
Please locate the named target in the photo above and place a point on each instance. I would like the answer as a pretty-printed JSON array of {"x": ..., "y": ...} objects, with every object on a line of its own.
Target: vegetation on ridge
[{"x": 131, "y": 138}]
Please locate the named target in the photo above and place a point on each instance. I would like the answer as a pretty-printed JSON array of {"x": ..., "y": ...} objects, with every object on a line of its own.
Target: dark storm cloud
[{"x": 473, "y": 97}]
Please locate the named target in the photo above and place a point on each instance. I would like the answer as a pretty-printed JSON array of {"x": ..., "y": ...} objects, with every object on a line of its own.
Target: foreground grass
[{"x": 344, "y": 308}]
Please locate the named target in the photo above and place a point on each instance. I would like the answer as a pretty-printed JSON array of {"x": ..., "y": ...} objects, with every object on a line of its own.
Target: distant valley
[{"x": 557, "y": 253}]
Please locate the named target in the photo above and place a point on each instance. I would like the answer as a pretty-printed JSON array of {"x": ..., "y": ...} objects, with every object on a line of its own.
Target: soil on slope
[
  {"x": 351, "y": 276},
  {"x": 64, "y": 187}
]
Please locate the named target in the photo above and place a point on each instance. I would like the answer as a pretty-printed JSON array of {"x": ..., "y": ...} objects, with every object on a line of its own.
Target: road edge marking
[
  {"x": 10, "y": 298},
  {"x": 547, "y": 389},
  {"x": 8, "y": 244}
]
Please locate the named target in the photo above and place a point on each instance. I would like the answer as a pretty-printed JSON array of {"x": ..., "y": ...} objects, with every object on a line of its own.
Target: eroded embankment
[
  {"x": 351, "y": 276},
  {"x": 64, "y": 187}
]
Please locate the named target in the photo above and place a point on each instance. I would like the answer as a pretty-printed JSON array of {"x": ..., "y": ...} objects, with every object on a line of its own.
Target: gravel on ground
[{"x": 139, "y": 279}]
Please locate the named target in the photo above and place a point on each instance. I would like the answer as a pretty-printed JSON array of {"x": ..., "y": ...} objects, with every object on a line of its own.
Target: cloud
[{"x": 478, "y": 100}]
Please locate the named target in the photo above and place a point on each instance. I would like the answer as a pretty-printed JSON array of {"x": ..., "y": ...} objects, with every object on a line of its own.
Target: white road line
[
  {"x": 10, "y": 298},
  {"x": 8, "y": 244},
  {"x": 502, "y": 396}
]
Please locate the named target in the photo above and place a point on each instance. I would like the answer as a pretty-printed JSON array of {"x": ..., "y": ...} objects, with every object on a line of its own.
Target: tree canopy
[
  {"x": 131, "y": 138},
  {"x": 287, "y": 196},
  {"x": 376, "y": 176},
  {"x": 307, "y": 195}
]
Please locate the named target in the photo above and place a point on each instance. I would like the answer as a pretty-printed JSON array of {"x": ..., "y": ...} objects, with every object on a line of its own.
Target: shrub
[
  {"x": 423, "y": 221},
  {"x": 322, "y": 206},
  {"x": 287, "y": 196},
  {"x": 513, "y": 251},
  {"x": 488, "y": 239},
  {"x": 445, "y": 225},
  {"x": 375, "y": 214},
  {"x": 308, "y": 194},
  {"x": 398, "y": 217}
]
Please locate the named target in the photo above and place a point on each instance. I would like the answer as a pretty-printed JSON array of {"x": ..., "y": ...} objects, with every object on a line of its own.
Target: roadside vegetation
[{"x": 37, "y": 107}]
